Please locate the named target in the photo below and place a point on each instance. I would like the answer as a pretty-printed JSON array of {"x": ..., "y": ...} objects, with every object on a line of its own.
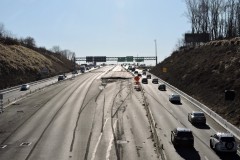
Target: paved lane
[
  {"x": 169, "y": 116},
  {"x": 79, "y": 119}
]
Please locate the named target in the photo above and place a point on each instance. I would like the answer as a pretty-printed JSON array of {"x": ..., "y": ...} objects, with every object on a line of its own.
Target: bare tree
[
  {"x": 238, "y": 17},
  {"x": 191, "y": 13},
  {"x": 2, "y": 30},
  {"x": 29, "y": 42},
  {"x": 215, "y": 9},
  {"x": 56, "y": 49}
]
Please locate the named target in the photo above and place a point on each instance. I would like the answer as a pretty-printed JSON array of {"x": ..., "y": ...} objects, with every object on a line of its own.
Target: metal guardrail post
[{"x": 1, "y": 103}]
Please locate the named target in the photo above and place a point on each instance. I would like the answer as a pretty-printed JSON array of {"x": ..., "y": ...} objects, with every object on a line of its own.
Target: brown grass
[
  {"x": 19, "y": 64},
  {"x": 205, "y": 73}
]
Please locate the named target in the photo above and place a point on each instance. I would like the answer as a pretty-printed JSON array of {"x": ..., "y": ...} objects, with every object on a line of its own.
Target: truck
[{"x": 82, "y": 68}]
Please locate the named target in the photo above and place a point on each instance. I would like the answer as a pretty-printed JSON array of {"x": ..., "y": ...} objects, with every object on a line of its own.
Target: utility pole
[{"x": 156, "y": 49}]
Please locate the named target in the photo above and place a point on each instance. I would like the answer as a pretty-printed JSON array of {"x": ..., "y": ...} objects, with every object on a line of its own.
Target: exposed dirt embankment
[
  {"x": 205, "y": 73},
  {"x": 19, "y": 65}
]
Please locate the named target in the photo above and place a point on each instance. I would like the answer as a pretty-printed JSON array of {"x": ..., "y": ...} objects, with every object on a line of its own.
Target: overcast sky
[{"x": 99, "y": 27}]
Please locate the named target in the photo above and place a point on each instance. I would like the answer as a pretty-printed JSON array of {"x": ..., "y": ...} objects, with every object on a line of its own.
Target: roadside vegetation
[
  {"x": 21, "y": 61},
  {"x": 205, "y": 70}
]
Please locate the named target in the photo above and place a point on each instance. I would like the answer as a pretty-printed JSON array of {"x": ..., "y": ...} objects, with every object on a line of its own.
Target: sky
[{"x": 112, "y": 28}]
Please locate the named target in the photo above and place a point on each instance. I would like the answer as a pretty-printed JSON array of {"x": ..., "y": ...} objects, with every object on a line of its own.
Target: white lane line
[
  {"x": 99, "y": 139},
  {"x": 110, "y": 143},
  {"x": 206, "y": 157}
]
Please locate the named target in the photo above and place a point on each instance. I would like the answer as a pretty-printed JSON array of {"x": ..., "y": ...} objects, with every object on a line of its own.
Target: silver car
[
  {"x": 175, "y": 98},
  {"x": 223, "y": 142},
  {"x": 197, "y": 117}
]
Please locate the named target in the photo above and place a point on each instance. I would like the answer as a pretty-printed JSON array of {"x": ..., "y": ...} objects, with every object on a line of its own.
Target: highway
[
  {"x": 10, "y": 95},
  {"x": 83, "y": 118},
  {"x": 168, "y": 116},
  {"x": 78, "y": 119}
]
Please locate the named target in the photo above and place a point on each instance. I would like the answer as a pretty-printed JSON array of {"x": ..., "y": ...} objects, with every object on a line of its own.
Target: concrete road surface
[{"x": 79, "y": 119}]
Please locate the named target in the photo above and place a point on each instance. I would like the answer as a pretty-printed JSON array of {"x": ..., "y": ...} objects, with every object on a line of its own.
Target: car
[
  {"x": 75, "y": 72},
  {"x": 182, "y": 136},
  {"x": 155, "y": 80},
  {"x": 174, "y": 98},
  {"x": 223, "y": 142},
  {"x": 61, "y": 77},
  {"x": 144, "y": 80},
  {"x": 136, "y": 72},
  {"x": 162, "y": 87},
  {"x": 25, "y": 87},
  {"x": 149, "y": 76},
  {"x": 139, "y": 75},
  {"x": 196, "y": 117},
  {"x": 144, "y": 73}
]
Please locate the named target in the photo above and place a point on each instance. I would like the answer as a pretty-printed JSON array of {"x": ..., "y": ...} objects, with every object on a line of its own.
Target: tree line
[
  {"x": 219, "y": 18},
  {"x": 7, "y": 38}
]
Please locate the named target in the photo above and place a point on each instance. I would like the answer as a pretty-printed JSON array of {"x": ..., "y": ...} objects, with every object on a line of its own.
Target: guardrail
[
  {"x": 157, "y": 141},
  {"x": 10, "y": 100},
  {"x": 224, "y": 123},
  {"x": 4, "y": 91},
  {"x": 14, "y": 99}
]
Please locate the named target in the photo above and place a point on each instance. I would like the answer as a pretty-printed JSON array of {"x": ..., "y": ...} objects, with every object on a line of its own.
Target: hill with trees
[{"x": 205, "y": 70}]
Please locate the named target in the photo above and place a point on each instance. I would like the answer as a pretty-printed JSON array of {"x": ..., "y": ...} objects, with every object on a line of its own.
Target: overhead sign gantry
[{"x": 95, "y": 59}]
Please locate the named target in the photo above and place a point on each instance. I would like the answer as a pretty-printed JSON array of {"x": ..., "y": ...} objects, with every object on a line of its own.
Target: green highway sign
[
  {"x": 121, "y": 59},
  {"x": 139, "y": 59},
  {"x": 129, "y": 58}
]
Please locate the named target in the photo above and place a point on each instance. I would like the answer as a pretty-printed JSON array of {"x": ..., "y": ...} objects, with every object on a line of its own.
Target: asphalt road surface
[
  {"x": 79, "y": 119},
  {"x": 168, "y": 116}
]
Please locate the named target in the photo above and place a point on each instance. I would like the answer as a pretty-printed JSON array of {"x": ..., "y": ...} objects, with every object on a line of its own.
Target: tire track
[{"x": 52, "y": 119}]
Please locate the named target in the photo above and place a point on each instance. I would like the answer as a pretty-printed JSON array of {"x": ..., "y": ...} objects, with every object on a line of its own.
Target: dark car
[
  {"x": 155, "y": 80},
  {"x": 139, "y": 75},
  {"x": 197, "y": 117},
  {"x": 149, "y": 76},
  {"x": 162, "y": 87},
  {"x": 182, "y": 136},
  {"x": 145, "y": 81},
  {"x": 25, "y": 87},
  {"x": 136, "y": 72},
  {"x": 74, "y": 72},
  {"x": 175, "y": 98}
]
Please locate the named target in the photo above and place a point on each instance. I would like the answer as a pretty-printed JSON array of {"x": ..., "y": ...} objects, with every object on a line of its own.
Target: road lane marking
[
  {"x": 110, "y": 143},
  {"x": 98, "y": 142},
  {"x": 206, "y": 157}
]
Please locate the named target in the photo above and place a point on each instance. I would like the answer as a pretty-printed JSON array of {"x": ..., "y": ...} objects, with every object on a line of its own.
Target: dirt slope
[
  {"x": 205, "y": 72},
  {"x": 19, "y": 65}
]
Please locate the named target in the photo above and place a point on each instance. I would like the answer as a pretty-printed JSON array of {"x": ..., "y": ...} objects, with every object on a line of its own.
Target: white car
[
  {"x": 175, "y": 98},
  {"x": 223, "y": 142}
]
